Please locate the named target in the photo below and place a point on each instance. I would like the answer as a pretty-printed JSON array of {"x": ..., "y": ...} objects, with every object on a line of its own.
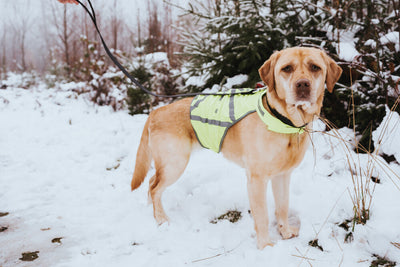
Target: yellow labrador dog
[{"x": 296, "y": 79}]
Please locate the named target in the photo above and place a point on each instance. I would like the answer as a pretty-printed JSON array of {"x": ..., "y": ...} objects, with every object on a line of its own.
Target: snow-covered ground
[{"x": 65, "y": 170}]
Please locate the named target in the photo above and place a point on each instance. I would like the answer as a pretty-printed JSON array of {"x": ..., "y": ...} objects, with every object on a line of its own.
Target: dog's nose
[{"x": 303, "y": 88}]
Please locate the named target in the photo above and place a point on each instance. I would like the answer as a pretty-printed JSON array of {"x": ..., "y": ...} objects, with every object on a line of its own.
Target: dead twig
[
  {"x": 217, "y": 255},
  {"x": 303, "y": 257},
  {"x": 397, "y": 245},
  {"x": 323, "y": 225}
]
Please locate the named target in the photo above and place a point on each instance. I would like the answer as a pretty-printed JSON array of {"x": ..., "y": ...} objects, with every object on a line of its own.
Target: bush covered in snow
[
  {"x": 366, "y": 35},
  {"x": 107, "y": 85}
]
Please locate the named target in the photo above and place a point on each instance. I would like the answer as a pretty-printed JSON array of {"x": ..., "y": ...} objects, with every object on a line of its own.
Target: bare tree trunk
[
  {"x": 65, "y": 37},
  {"x": 237, "y": 7},
  {"x": 218, "y": 14},
  {"x": 272, "y": 7},
  {"x": 139, "y": 30},
  {"x": 218, "y": 8},
  {"x": 46, "y": 38},
  {"x": 149, "y": 47},
  {"x": 360, "y": 9},
  {"x": 22, "y": 49},
  {"x": 115, "y": 25},
  {"x": 4, "y": 48},
  {"x": 167, "y": 31},
  {"x": 154, "y": 28},
  {"x": 396, "y": 9},
  {"x": 19, "y": 32}
]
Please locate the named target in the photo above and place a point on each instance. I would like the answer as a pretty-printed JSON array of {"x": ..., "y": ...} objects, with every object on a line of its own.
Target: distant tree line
[
  {"x": 53, "y": 35},
  {"x": 60, "y": 42}
]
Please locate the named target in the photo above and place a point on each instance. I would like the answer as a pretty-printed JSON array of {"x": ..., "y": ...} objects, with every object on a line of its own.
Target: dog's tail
[{"x": 143, "y": 159}]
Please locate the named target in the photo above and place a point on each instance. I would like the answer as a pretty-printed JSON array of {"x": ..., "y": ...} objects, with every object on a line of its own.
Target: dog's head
[{"x": 296, "y": 79}]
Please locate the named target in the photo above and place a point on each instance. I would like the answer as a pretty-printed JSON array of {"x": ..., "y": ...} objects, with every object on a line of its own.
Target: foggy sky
[{"x": 38, "y": 16}]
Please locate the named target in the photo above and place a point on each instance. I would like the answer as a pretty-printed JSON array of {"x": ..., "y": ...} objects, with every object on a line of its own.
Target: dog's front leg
[
  {"x": 280, "y": 188},
  {"x": 257, "y": 187}
]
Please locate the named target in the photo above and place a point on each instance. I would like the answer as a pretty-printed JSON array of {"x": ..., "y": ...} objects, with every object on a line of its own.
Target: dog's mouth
[
  {"x": 301, "y": 105},
  {"x": 301, "y": 101},
  {"x": 302, "y": 112}
]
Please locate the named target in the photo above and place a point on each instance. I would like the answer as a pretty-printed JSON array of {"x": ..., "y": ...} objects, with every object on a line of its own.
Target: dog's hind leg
[
  {"x": 171, "y": 155},
  {"x": 149, "y": 200}
]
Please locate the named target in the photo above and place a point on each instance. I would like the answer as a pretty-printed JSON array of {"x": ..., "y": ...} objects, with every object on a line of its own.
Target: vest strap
[{"x": 277, "y": 122}]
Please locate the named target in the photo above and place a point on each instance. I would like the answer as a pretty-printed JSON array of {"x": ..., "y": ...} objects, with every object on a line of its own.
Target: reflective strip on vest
[{"x": 212, "y": 115}]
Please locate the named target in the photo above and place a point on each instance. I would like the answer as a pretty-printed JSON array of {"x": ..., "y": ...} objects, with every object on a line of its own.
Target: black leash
[
  {"x": 92, "y": 15},
  {"x": 119, "y": 65}
]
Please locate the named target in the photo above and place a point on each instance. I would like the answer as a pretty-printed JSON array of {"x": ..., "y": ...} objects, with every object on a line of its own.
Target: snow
[
  {"x": 65, "y": 170},
  {"x": 387, "y": 134},
  {"x": 157, "y": 57},
  {"x": 235, "y": 80},
  {"x": 391, "y": 37},
  {"x": 347, "y": 51},
  {"x": 346, "y": 46},
  {"x": 71, "y": 86},
  {"x": 196, "y": 81},
  {"x": 230, "y": 82}
]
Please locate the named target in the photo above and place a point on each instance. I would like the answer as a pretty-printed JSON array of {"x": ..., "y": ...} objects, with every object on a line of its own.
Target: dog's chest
[{"x": 286, "y": 152}]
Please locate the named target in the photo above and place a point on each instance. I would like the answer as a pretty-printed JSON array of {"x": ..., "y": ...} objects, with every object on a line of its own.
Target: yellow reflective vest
[{"x": 212, "y": 115}]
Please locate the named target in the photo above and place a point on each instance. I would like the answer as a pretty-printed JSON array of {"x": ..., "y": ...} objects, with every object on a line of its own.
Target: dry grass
[
  {"x": 362, "y": 190},
  {"x": 362, "y": 174}
]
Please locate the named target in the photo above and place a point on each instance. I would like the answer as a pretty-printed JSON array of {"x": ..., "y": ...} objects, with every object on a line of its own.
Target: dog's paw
[
  {"x": 261, "y": 244},
  {"x": 161, "y": 219},
  {"x": 288, "y": 232}
]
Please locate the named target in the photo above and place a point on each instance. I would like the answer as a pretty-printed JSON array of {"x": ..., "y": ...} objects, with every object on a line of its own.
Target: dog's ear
[
  {"x": 267, "y": 71},
  {"x": 333, "y": 73}
]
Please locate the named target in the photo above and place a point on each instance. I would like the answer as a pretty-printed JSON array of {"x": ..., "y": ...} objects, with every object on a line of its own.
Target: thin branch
[{"x": 217, "y": 255}]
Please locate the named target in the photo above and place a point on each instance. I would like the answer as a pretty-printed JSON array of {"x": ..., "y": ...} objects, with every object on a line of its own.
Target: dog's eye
[
  {"x": 315, "y": 67},
  {"x": 287, "y": 69}
]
